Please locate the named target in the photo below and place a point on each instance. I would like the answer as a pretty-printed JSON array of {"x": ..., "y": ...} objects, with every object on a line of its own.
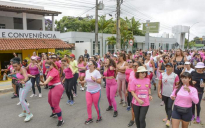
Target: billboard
[{"x": 152, "y": 27}]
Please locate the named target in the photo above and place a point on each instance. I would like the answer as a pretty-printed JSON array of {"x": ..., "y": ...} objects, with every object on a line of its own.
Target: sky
[{"x": 168, "y": 12}]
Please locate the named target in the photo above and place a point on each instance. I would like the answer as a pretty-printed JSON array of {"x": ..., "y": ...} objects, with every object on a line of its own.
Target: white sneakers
[
  {"x": 22, "y": 114},
  {"x": 40, "y": 95},
  {"x": 28, "y": 117},
  {"x": 19, "y": 103},
  {"x": 32, "y": 95}
]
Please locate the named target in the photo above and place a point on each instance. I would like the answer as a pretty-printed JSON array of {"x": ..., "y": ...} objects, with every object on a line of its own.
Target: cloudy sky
[{"x": 168, "y": 12}]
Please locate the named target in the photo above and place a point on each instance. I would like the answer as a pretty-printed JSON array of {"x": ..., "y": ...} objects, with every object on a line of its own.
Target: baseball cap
[
  {"x": 169, "y": 64},
  {"x": 72, "y": 55}
]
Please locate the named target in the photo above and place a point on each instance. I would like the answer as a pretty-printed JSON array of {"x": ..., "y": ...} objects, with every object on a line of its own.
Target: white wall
[
  {"x": 8, "y": 21},
  {"x": 80, "y": 48}
]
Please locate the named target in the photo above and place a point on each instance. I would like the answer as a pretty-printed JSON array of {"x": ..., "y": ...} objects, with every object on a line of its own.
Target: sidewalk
[{"x": 5, "y": 86}]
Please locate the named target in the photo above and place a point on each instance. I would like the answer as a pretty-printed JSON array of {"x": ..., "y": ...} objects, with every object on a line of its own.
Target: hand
[
  {"x": 126, "y": 93},
  {"x": 150, "y": 98},
  {"x": 22, "y": 82},
  {"x": 93, "y": 78},
  {"x": 186, "y": 88},
  {"x": 160, "y": 95},
  {"x": 193, "y": 82},
  {"x": 173, "y": 97},
  {"x": 42, "y": 84},
  {"x": 140, "y": 102},
  {"x": 103, "y": 77},
  {"x": 179, "y": 66}
]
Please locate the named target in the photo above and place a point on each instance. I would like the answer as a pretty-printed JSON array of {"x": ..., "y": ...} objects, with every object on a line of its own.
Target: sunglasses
[
  {"x": 129, "y": 61},
  {"x": 135, "y": 65},
  {"x": 63, "y": 60},
  {"x": 143, "y": 72},
  {"x": 90, "y": 64},
  {"x": 166, "y": 58}
]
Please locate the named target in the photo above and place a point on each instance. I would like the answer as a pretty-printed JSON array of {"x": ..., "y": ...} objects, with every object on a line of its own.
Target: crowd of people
[{"x": 180, "y": 76}]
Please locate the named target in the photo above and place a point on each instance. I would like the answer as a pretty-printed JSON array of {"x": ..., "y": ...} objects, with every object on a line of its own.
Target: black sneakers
[
  {"x": 60, "y": 123},
  {"x": 109, "y": 108},
  {"x": 14, "y": 96},
  {"x": 53, "y": 115},
  {"x": 98, "y": 120},
  {"x": 131, "y": 123},
  {"x": 115, "y": 114},
  {"x": 88, "y": 121}
]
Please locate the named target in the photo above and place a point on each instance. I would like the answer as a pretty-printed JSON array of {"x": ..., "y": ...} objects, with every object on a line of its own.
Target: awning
[
  {"x": 22, "y": 44},
  {"x": 29, "y": 10}
]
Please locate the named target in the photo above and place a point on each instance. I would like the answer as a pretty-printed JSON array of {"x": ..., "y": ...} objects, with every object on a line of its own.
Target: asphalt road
[{"x": 76, "y": 115}]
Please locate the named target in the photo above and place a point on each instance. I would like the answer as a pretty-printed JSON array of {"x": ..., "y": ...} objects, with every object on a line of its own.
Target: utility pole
[
  {"x": 118, "y": 39},
  {"x": 96, "y": 28},
  {"x": 188, "y": 39},
  {"x": 147, "y": 36}
]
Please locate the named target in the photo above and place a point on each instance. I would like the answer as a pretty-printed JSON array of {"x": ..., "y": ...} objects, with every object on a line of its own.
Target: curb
[{"x": 6, "y": 90}]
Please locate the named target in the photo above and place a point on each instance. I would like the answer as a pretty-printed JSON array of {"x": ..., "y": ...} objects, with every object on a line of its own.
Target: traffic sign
[{"x": 131, "y": 42}]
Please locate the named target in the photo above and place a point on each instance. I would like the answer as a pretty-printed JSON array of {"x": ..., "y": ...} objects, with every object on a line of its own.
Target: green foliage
[
  {"x": 61, "y": 53},
  {"x": 111, "y": 40},
  {"x": 191, "y": 43}
]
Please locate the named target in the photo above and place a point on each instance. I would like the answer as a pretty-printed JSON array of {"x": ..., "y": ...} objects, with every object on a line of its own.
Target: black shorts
[
  {"x": 13, "y": 81},
  {"x": 181, "y": 116}
]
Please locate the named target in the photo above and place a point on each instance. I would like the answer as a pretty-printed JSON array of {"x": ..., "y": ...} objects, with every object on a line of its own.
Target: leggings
[
  {"x": 121, "y": 81},
  {"x": 23, "y": 94},
  {"x": 37, "y": 80},
  {"x": 140, "y": 115},
  {"x": 75, "y": 78},
  {"x": 198, "y": 106},
  {"x": 168, "y": 102},
  {"x": 111, "y": 89},
  {"x": 54, "y": 96},
  {"x": 68, "y": 87},
  {"x": 44, "y": 76},
  {"x": 90, "y": 99},
  {"x": 129, "y": 98}
]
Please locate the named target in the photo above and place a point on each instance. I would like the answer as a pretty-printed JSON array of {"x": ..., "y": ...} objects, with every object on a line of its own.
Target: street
[{"x": 75, "y": 116}]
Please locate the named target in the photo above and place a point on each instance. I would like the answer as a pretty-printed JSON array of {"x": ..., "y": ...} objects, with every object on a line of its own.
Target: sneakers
[
  {"x": 14, "y": 96},
  {"x": 109, "y": 108},
  {"x": 99, "y": 119},
  {"x": 128, "y": 108},
  {"x": 72, "y": 102},
  {"x": 40, "y": 95},
  {"x": 124, "y": 104},
  {"x": 28, "y": 117},
  {"x": 162, "y": 103},
  {"x": 60, "y": 123},
  {"x": 198, "y": 119},
  {"x": 19, "y": 103},
  {"x": 32, "y": 95},
  {"x": 22, "y": 114},
  {"x": 115, "y": 114},
  {"x": 83, "y": 89},
  {"x": 53, "y": 115},
  {"x": 131, "y": 123},
  {"x": 88, "y": 121},
  {"x": 168, "y": 123},
  {"x": 68, "y": 102},
  {"x": 121, "y": 101},
  {"x": 193, "y": 117},
  {"x": 80, "y": 88},
  {"x": 28, "y": 104}
]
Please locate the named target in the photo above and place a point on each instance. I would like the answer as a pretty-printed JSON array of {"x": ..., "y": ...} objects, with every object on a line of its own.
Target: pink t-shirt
[
  {"x": 127, "y": 73},
  {"x": 141, "y": 89},
  {"x": 184, "y": 98},
  {"x": 44, "y": 67},
  {"x": 58, "y": 64},
  {"x": 68, "y": 73},
  {"x": 56, "y": 76},
  {"x": 132, "y": 76}
]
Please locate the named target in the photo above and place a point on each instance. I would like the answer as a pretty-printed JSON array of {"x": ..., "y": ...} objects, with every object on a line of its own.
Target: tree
[
  {"x": 61, "y": 53},
  {"x": 191, "y": 44},
  {"x": 111, "y": 40},
  {"x": 48, "y": 25}
]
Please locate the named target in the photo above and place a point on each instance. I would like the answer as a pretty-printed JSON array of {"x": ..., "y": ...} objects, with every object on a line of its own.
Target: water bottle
[{"x": 201, "y": 83}]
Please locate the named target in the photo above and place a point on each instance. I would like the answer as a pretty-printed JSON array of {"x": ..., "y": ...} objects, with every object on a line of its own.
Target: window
[
  {"x": 134, "y": 47},
  {"x": 111, "y": 48},
  {"x": 2, "y": 26},
  {"x": 94, "y": 48},
  {"x": 152, "y": 46},
  {"x": 76, "y": 41},
  {"x": 79, "y": 41},
  {"x": 167, "y": 47}
]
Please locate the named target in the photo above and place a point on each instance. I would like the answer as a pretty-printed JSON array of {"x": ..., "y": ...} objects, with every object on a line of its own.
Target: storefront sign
[{"x": 6, "y": 33}]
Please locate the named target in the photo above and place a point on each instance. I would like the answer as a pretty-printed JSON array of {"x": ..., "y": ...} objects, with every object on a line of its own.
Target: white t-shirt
[
  {"x": 188, "y": 57},
  {"x": 149, "y": 52},
  {"x": 190, "y": 70},
  {"x": 92, "y": 87}
]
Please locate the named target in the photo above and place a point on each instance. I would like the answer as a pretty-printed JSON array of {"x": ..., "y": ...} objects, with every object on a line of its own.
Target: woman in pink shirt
[
  {"x": 184, "y": 95},
  {"x": 81, "y": 69},
  {"x": 56, "y": 90},
  {"x": 68, "y": 79},
  {"x": 140, "y": 88}
]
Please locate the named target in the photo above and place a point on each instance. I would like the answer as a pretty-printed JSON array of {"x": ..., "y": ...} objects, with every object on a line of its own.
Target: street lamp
[{"x": 189, "y": 32}]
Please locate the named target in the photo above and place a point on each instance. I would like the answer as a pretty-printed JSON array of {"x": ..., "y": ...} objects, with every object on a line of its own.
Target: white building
[
  {"x": 86, "y": 40},
  {"x": 22, "y": 31}
]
